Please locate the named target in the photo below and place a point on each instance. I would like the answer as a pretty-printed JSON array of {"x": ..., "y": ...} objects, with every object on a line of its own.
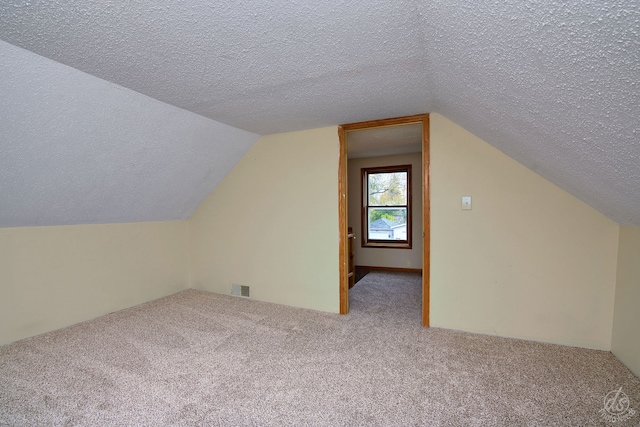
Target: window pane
[
  {"x": 387, "y": 223},
  {"x": 387, "y": 188},
  {"x": 386, "y": 210}
]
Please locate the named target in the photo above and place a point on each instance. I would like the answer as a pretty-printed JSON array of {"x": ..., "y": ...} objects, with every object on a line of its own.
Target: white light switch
[{"x": 466, "y": 203}]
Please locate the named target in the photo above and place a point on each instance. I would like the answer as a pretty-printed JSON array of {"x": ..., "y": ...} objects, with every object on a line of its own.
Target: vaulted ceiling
[{"x": 553, "y": 84}]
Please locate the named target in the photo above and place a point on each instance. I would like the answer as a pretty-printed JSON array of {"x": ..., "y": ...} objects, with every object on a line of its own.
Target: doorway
[{"x": 343, "y": 133}]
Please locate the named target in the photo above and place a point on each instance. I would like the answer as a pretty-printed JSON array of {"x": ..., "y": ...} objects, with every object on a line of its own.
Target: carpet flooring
[{"x": 202, "y": 359}]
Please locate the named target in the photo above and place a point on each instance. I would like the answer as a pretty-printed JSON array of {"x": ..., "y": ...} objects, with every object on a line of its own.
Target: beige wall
[
  {"x": 272, "y": 224},
  {"x": 51, "y": 277},
  {"x": 384, "y": 257},
  {"x": 528, "y": 261},
  {"x": 626, "y": 321}
]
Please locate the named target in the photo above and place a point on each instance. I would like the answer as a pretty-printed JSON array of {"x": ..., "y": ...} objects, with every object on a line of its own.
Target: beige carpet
[{"x": 197, "y": 358}]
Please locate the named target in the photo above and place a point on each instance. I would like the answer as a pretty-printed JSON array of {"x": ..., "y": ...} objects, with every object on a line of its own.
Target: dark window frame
[{"x": 366, "y": 242}]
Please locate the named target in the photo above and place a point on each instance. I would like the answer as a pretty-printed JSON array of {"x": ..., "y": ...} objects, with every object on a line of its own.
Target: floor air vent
[{"x": 240, "y": 290}]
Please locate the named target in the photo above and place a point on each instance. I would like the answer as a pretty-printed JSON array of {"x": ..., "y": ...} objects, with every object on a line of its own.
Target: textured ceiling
[
  {"x": 75, "y": 149},
  {"x": 553, "y": 84}
]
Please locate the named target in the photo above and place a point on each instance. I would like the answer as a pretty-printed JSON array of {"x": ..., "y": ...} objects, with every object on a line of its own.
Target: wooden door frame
[{"x": 342, "y": 205}]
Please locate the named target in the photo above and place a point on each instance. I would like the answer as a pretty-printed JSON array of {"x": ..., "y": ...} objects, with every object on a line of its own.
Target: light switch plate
[{"x": 466, "y": 203}]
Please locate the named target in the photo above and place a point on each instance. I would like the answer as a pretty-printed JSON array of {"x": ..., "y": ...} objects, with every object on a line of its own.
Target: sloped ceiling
[
  {"x": 75, "y": 149},
  {"x": 553, "y": 84}
]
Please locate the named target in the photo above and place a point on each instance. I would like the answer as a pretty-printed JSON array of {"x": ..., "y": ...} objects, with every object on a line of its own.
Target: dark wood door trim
[
  {"x": 426, "y": 223},
  {"x": 342, "y": 221}
]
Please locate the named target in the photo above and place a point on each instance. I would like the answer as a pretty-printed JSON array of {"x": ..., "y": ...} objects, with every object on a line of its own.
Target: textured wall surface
[
  {"x": 553, "y": 84},
  {"x": 75, "y": 149}
]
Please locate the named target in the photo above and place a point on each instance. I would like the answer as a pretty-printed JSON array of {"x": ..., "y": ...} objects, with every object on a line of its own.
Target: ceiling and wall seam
[{"x": 552, "y": 84}]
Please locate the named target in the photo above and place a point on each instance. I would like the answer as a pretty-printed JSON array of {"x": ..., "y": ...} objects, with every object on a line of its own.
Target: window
[{"x": 386, "y": 207}]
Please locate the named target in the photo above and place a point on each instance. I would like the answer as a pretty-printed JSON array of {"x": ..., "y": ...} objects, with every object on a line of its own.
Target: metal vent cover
[{"x": 240, "y": 291}]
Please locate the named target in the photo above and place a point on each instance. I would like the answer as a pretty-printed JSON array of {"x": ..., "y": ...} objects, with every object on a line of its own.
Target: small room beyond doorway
[{"x": 372, "y": 150}]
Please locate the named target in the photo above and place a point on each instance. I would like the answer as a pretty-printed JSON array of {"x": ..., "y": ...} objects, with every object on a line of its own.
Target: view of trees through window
[{"x": 387, "y": 203}]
